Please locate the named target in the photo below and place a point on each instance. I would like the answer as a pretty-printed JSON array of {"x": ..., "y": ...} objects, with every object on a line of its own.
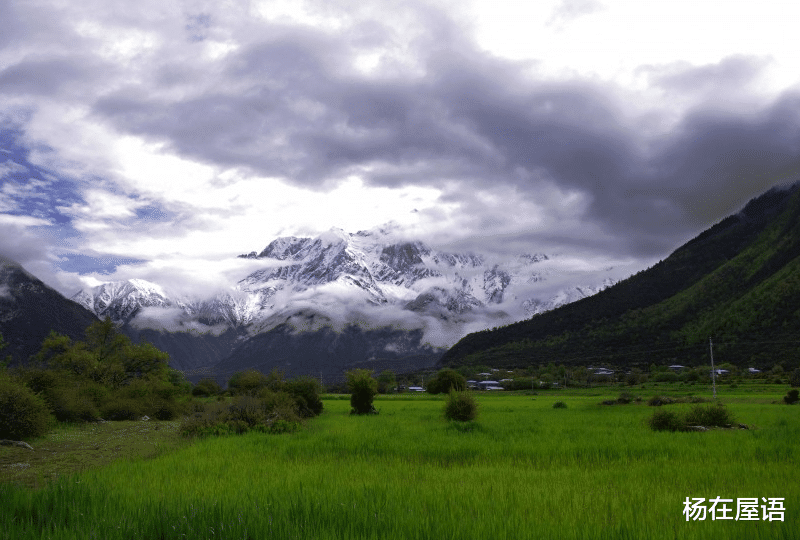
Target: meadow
[{"x": 523, "y": 469}]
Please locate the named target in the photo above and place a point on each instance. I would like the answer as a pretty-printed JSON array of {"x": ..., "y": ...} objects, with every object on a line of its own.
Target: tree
[
  {"x": 206, "y": 387},
  {"x": 4, "y": 363},
  {"x": 306, "y": 393},
  {"x": 794, "y": 378},
  {"x": 386, "y": 382},
  {"x": 23, "y": 414},
  {"x": 247, "y": 382},
  {"x": 362, "y": 387},
  {"x": 446, "y": 380},
  {"x": 103, "y": 339}
]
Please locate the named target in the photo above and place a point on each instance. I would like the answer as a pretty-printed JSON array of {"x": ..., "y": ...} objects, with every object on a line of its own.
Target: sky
[{"x": 160, "y": 139}]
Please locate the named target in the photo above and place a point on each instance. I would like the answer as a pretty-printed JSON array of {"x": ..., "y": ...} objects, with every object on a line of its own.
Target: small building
[
  {"x": 489, "y": 385},
  {"x": 415, "y": 389},
  {"x": 677, "y": 367}
]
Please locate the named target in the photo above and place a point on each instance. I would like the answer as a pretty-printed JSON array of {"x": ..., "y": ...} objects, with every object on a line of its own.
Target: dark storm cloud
[
  {"x": 290, "y": 102},
  {"x": 730, "y": 73},
  {"x": 44, "y": 76},
  {"x": 296, "y": 109}
]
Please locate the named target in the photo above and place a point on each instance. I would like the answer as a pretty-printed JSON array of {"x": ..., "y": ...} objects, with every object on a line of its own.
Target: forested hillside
[{"x": 738, "y": 283}]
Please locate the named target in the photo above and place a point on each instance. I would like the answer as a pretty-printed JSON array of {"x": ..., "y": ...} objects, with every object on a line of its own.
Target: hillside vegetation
[{"x": 738, "y": 283}]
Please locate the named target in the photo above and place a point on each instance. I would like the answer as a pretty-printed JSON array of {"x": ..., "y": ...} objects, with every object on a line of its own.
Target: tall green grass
[{"x": 523, "y": 470}]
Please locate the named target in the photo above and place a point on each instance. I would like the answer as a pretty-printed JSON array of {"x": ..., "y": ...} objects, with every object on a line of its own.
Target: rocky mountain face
[
  {"x": 371, "y": 283},
  {"x": 29, "y": 310}
]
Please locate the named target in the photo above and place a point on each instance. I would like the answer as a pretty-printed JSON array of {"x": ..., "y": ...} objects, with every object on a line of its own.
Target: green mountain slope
[{"x": 738, "y": 283}]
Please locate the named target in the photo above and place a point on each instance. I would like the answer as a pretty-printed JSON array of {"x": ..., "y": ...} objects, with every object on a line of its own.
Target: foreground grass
[{"x": 523, "y": 470}]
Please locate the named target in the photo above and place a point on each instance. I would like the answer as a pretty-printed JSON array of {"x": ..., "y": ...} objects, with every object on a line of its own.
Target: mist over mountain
[
  {"x": 736, "y": 283},
  {"x": 375, "y": 294}
]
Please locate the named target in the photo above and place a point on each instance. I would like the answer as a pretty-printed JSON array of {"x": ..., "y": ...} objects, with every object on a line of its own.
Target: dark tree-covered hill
[
  {"x": 738, "y": 283},
  {"x": 29, "y": 310}
]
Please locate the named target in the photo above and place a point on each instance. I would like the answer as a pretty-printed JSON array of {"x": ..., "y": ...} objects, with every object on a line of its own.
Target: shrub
[
  {"x": 794, "y": 378},
  {"x": 559, "y": 405},
  {"x": 272, "y": 412},
  {"x": 306, "y": 392},
  {"x": 791, "y": 398},
  {"x": 71, "y": 405},
  {"x": 206, "y": 387},
  {"x": 40, "y": 380},
  {"x": 461, "y": 406},
  {"x": 663, "y": 420},
  {"x": 362, "y": 389},
  {"x": 165, "y": 410},
  {"x": 666, "y": 376},
  {"x": 625, "y": 398},
  {"x": 710, "y": 415},
  {"x": 121, "y": 409},
  {"x": 447, "y": 380},
  {"x": 248, "y": 382},
  {"x": 657, "y": 401},
  {"x": 23, "y": 414},
  {"x": 386, "y": 382}
]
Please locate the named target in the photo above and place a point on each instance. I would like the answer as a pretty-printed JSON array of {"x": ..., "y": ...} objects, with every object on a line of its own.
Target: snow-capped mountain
[
  {"x": 122, "y": 300},
  {"x": 370, "y": 280}
]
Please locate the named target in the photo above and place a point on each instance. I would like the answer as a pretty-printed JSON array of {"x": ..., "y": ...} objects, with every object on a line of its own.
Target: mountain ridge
[
  {"x": 372, "y": 279},
  {"x": 741, "y": 269},
  {"x": 30, "y": 310}
]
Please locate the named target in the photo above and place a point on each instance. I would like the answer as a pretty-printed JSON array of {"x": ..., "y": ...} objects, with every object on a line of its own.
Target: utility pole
[{"x": 713, "y": 371}]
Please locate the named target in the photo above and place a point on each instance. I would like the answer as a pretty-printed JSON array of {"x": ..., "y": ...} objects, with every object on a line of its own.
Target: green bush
[
  {"x": 165, "y": 410},
  {"x": 306, "y": 391},
  {"x": 247, "y": 382},
  {"x": 23, "y": 414},
  {"x": 709, "y": 415},
  {"x": 206, "y": 387},
  {"x": 663, "y": 420},
  {"x": 40, "y": 380},
  {"x": 386, "y": 382},
  {"x": 122, "y": 409},
  {"x": 559, "y": 405},
  {"x": 70, "y": 405},
  {"x": 625, "y": 398},
  {"x": 792, "y": 397},
  {"x": 446, "y": 380},
  {"x": 362, "y": 388},
  {"x": 657, "y": 401},
  {"x": 461, "y": 406},
  {"x": 272, "y": 412},
  {"x": 665, "y": 376}
]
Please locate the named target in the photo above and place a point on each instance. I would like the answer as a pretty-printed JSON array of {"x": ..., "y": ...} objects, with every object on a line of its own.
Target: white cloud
[{"x": 237, "y": 122}]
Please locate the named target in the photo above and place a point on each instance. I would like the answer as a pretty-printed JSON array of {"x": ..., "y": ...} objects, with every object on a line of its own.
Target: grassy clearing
[
  {"x": 522, "y": 470},
  {"x": 71, "y": 449}
]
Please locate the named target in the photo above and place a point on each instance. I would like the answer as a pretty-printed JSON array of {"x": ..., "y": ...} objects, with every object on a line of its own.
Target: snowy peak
[
  {"x": 376, "y": 277},
  {"x": 121, "y": 300}
]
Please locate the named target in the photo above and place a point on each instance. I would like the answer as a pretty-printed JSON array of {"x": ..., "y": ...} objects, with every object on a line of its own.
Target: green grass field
[{"x": 522, "y": 470}]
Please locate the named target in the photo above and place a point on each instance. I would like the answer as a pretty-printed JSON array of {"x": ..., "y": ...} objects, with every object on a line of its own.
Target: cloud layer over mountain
[{"x": 159, "y": 139}]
